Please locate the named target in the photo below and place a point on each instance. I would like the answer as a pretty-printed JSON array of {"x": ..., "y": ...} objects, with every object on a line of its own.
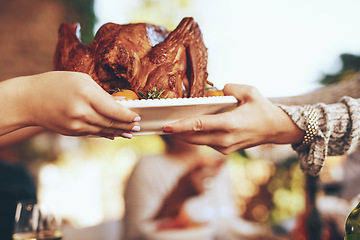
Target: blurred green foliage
[
  {"x": 287, "y": 187},
  {"x": 82, "y": 11},
  {"x": 277, "y": 188},
  {"x": 350, "y": 68}
]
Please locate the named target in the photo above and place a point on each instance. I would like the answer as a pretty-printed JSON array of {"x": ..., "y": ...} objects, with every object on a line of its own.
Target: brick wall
[{"x": 28, "y": 35}]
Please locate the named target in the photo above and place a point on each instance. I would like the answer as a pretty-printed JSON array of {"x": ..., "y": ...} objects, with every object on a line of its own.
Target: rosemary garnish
[{"x": 154, "y": 93}]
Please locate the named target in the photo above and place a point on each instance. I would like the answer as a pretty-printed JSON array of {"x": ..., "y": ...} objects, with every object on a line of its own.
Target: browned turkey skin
[{"x": 139, "y": 57}]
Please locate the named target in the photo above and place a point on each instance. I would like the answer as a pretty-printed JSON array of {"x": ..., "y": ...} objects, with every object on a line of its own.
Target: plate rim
[{"x": 171, "y": 102}]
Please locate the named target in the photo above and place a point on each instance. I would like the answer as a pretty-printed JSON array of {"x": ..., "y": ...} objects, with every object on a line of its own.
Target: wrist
[
  {"x": 13, "y": 105},
  {"x": 287, "y": 132}
]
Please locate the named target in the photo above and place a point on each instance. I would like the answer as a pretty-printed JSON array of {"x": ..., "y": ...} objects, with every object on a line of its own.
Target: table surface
[{"x": 109, "y": 230}]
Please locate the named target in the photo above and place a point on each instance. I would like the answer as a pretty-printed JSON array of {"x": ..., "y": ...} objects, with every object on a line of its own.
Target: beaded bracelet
[{"x": 312, "y": 126}]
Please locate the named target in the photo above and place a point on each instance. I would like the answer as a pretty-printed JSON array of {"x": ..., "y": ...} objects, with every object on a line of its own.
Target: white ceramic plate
[{"x": 155, "y": 114}]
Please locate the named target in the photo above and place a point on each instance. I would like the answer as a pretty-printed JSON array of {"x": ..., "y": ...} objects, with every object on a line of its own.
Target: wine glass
[{"x": 34, "y": 221}]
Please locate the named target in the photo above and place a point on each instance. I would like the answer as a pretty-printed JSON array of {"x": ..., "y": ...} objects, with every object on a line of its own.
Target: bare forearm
[
  {"x": 69, "y": 103},
  {"x": 19, "y": 135},
  {"x": 13, "y": 104}
]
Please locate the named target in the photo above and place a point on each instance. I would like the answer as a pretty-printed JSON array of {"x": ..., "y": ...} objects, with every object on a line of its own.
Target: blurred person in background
[{"x": 181, "y": 189}]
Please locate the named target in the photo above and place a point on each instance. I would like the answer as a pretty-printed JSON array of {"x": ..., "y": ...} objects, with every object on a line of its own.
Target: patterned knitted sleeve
[{"x": 338, "y": 132}]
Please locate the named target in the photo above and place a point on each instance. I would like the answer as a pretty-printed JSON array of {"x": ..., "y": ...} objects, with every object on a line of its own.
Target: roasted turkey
[{"x": 139, "y": 57}]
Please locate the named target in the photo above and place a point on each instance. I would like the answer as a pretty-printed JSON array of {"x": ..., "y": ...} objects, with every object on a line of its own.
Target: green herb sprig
[{"x": 154, "y": 93}]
